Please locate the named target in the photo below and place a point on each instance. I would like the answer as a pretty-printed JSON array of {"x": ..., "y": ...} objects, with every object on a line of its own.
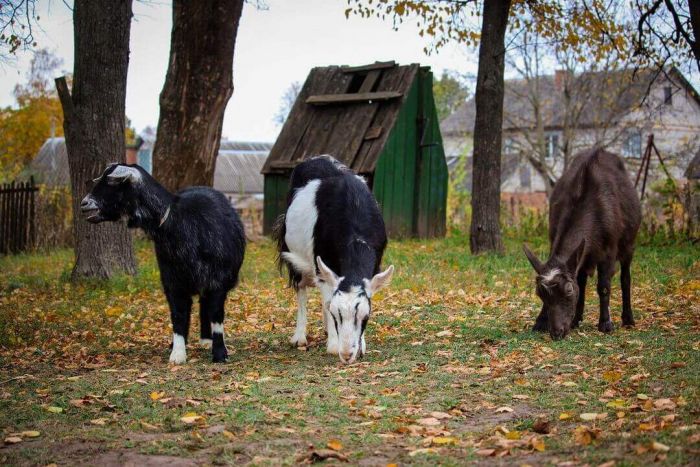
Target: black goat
[
  {"x": 594, "y": 216},
  {"x": 333, "y": 236},
  {"x": 199, "y": 242}
]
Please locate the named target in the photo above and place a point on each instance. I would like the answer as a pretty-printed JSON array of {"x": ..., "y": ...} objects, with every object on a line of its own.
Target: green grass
[{"x": 450, "y": 335}]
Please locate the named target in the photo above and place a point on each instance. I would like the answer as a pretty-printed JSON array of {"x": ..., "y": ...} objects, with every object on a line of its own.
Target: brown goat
[{"x": 594, "y": 216}]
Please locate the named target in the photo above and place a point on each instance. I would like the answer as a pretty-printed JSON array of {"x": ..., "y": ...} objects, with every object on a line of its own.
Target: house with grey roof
[{"x": 549, "y": 119}]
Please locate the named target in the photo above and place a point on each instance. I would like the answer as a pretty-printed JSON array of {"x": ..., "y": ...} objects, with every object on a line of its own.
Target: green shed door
[
  {"x": 395, "y": 174},
  {"x": 432, "y": 169}
]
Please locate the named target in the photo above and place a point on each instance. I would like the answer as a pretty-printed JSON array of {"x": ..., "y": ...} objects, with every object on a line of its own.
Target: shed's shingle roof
[{"x": 353, "y": 133}]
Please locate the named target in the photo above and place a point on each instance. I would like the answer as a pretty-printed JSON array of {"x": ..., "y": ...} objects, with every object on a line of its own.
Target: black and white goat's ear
[
  {"x": 325, "y": 273},
  {"x": 534, "y": 260},
  {"x": 379, "y": 281},
  {"x": 122, "y": 174},
  {"x": 576, "y": 260}
]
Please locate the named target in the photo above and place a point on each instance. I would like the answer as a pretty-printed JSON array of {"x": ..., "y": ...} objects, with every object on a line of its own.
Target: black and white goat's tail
[{"x": 279, "y": 231}]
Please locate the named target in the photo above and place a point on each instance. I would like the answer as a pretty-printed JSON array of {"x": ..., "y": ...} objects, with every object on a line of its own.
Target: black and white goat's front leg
[
  {"x": 299, "y": 337},
  {"x": 204, "y": 326},
  {"x": 213, "y": 303},
  {"x": 180, "y": 308}
]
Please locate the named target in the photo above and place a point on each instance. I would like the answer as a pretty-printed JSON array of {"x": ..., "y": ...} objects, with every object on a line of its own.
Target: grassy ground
[{"x": 453, "y": 374}]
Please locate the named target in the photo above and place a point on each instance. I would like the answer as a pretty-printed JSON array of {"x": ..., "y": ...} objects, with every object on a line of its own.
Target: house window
[
  {"x": 632, "y": 145},
  {"x": 668, "y": 95},
  {"x": 551, "y": 146},
  {"x": 525, "y": 178},
  {"x": 508, "y": 146}
]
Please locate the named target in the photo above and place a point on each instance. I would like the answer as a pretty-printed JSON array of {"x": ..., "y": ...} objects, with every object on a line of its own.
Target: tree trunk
[
  {"x": 485, "y": 231},
  {"x": 197, "y": 88},
  {"x": 94, "y": 128}
]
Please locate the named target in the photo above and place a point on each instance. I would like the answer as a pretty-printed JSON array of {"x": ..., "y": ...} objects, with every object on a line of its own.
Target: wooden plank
[
  {"x": 374, "y": 132},
  {"x": 299, "y": 118},
  {"x": 328, "y": 99},
  {"x": 369, "y": 153},
  {"x": 3, "y": 216},
  {"x": 370, "y": 81},
  {"x": 323, "y": 121},
  {"x": 370, "y": 67}
]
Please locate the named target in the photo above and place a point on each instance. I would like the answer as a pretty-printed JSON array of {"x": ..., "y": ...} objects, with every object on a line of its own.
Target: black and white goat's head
[
  {"x": 350, "y": 307},
  {"x": 557, "y": 287},
  {"x": 112, "y": 195}
]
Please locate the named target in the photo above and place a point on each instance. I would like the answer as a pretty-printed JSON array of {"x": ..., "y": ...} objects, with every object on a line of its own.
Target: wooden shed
[{"x": 379, "y": 120}]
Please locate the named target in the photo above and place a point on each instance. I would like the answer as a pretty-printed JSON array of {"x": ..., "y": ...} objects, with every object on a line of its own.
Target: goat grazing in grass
[
  {"x": 333, "y": 236},
  {"x": 594, "y": 216},
  {"x": 199, "y": 242}
]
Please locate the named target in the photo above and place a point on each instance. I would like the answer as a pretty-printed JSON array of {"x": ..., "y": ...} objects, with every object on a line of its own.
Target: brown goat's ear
[
  {"x": 534, "y": 260},
  {"x": 575, "y": 262}
]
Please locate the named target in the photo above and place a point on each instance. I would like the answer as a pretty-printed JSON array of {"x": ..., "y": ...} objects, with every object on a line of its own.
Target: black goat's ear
[
  {"x": 534, "y": 260},
  {"x": 576, "y": 260},
  {"x": 123, "y": 173}
]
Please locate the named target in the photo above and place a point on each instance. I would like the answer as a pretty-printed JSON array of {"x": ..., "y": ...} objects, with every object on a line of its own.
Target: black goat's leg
[
  {"x": 626, "y": 285},
  {"x": 582, "y": 279},
  {"x": 605, "y": 272},
  {"x": 180, "y": 308},
  {"x": 214, "y": 302},
  {"x": 205, "y": 320}
]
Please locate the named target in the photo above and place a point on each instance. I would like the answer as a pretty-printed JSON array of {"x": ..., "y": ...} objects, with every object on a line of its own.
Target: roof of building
[
  {"x": 50, "y": 165},
  {"x": 597, "y": 98},
  {"x": 237, "y": 166},
  {"x": 322, "y": 121}
]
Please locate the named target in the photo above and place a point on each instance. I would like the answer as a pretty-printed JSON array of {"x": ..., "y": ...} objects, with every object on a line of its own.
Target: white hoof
[
  {"x": 178, "y": 356},
  {"x": 298, "y": 340},
  {"x": 206, "y": 343},
  {"x": 179, "y": 353}
]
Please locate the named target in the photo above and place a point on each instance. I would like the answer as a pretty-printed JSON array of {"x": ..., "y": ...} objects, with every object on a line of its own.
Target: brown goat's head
[{"x": 557, "y": 287}]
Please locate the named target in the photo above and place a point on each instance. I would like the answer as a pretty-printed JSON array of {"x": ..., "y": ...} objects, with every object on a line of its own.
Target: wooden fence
[{"x": 17, "y": 212}]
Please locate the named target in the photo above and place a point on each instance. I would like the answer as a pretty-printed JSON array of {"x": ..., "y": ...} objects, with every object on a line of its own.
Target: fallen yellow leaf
[
  {"x": 441, "y": 440},
  {"x": 157, "y": 395},
  {"x": 191, "y": 417},
  {"x": 54, "y": 409},
  {"x": 335, "y": 445},
  {"x": 564, "y": 416},
  {"x": 30, "y": 434}
]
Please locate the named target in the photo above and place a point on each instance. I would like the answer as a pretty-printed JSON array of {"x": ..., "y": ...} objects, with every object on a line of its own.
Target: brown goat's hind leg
[
  {"x": 625, "y": 283},
  {"x": 581, "y": 280},
  {"x": 605, "y": 272}
]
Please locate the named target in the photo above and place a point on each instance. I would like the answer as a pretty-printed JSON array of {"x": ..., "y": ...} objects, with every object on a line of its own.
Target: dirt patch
[
  {"x": 134, "y": 459},
  {"x": 488, "y": 419}
]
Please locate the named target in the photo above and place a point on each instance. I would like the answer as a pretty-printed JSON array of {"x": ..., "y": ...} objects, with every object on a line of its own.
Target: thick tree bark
[
  {"x": 485, "y": 232},
  {"x": 197, "y": 88},
  {"x": 94, "y": 127}
]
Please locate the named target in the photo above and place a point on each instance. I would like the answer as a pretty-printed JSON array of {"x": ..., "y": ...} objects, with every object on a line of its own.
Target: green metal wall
[{"x": 410, "y": 179}]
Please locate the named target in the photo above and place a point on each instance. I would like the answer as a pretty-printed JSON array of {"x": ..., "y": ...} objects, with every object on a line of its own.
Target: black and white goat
[
  {"x": 199, "y": 242},
  {"x": 333, "y": 236}
]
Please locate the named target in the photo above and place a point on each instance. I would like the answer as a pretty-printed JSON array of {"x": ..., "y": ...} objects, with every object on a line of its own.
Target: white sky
[{"x": 274, "y": 48}]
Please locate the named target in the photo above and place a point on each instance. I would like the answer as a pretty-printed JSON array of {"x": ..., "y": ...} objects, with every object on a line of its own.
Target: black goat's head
[
  {"x": 557, "y": 287},
  {"x": 112, "y": 196}
]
